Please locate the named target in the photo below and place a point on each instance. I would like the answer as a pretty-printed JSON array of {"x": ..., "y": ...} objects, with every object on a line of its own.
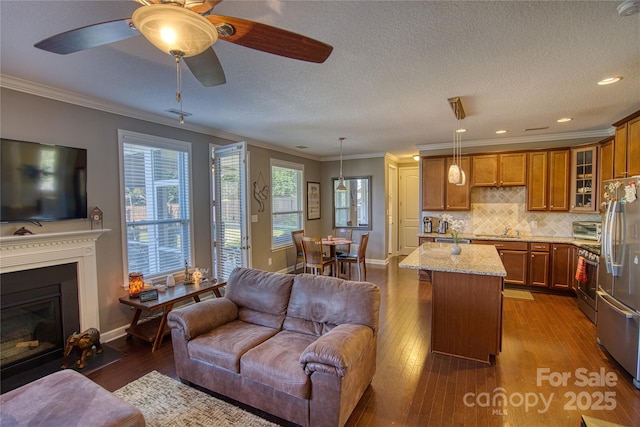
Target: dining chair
[
  {"x": 358, "y": 258},
  {"x": 313, "y": 256},
  {"x": 343, "y": 233},
  {"x": 296, "y": 236}
]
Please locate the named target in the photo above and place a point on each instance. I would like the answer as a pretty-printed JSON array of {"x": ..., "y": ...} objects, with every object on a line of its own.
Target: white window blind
[
  {"x": 286, "y": 201},
  {"x": 157, "y": 208}
]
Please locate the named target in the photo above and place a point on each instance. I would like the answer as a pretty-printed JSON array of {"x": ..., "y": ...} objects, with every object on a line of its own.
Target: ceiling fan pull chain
[{"x": 179, "y": 88}]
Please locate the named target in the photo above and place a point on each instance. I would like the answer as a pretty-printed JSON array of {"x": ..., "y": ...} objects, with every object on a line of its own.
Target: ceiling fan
[{"x": 194, "y": 30}]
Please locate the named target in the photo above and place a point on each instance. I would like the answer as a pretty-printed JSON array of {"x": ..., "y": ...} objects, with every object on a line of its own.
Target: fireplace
[{"x": 39, "y": 309}]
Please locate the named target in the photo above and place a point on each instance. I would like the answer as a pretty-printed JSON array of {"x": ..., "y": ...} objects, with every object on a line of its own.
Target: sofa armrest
[
  {"x": 336, "y": 351},
  {"x": 202, "y": 317}
]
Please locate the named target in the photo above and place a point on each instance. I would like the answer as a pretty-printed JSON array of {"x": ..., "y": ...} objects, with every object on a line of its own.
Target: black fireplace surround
[{"x": 39, "y": 309}]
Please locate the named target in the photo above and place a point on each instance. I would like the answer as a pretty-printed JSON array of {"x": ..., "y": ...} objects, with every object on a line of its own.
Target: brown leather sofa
[{"x": 300, "y": 347}]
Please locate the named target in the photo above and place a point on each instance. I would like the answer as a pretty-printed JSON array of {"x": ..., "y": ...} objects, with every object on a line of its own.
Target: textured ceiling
[{"x": 516, "y": 65}]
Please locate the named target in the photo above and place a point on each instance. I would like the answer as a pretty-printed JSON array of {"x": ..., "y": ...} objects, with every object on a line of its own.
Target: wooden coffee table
[{"x": 154, "y": 330}]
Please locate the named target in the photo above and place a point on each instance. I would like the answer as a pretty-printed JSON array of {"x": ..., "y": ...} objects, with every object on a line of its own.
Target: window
[
  {"x": 286, "y": 201},
  {"x": 156, "y": 198}
]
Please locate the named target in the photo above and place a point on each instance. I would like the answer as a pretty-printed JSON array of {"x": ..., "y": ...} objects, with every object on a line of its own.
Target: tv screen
[{"x": 42, "y": 182}]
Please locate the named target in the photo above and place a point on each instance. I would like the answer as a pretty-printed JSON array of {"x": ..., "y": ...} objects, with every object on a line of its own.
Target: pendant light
[
  {"x": 341, "y": 186},
  {"x": 456, "y": 175}
]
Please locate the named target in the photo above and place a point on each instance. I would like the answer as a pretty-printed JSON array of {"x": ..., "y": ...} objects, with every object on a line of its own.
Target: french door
[{"x": 230, "y": 219}]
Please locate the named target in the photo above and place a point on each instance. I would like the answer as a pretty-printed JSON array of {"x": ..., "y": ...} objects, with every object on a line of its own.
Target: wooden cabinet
[
  {"x": 500, "y": 170},
  {"x": 437, "y": 193},
  {"x": 626, "y": 147},
  {"x": 548, "y": 181},
  {"x": 514, "y": 256},
  {"x": 562, "y": 272},
  {"x": 422, "y": 240},
  {"x": 433, "y": 178},
  {"x": 559, "y": 180},
  {"x": 605, "y": 163},
  {"x": 539, "y": 264},
  {"x": 584, "y": 162},
  {"x": 537, "y": 181},
  {"x": 513, "y": 169},
  {"x": 458, "y": 197}
]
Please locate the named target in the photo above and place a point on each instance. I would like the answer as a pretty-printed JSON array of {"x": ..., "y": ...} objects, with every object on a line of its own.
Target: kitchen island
[{"x": 466, "y": 319}]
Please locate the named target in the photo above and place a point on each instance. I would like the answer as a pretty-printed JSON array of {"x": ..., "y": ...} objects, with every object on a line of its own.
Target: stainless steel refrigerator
[{"x": 618, "y": 302}]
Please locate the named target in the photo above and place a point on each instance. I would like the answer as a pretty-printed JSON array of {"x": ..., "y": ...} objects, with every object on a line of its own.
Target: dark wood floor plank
[{"x": 414, "y": 387}]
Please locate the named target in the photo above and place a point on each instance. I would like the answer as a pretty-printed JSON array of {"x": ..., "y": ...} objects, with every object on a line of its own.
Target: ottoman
[{"x": 66, "y": 398}]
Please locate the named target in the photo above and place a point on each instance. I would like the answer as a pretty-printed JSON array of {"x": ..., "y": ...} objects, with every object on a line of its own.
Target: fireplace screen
[
  {"x": 30, "y": 330},
  {"x": 39, "y": 311}
]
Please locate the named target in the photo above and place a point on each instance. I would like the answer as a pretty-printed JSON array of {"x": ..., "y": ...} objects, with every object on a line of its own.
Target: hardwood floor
[{"x": 414, "y": 387}]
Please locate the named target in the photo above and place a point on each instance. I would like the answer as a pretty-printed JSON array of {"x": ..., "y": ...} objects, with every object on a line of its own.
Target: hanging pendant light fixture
[
  {"x": 176, "y": 31},
  {"x": 456, "y": 174},
  {"x": 341, "y": 186}
]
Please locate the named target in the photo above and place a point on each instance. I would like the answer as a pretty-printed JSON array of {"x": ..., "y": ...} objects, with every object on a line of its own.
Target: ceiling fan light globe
[{"x": 172, "y": 28}]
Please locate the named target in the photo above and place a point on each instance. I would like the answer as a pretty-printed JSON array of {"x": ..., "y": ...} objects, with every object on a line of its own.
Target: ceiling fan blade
[
  {"x": 206, "y": 68},
  {"x": 273, "y": 40},
  {"x": 198, "y": 6},
  {"x": 88, "y": 37}
]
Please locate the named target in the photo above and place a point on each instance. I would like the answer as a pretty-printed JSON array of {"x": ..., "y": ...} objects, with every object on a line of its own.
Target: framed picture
[{"x": 313, "y": 200}]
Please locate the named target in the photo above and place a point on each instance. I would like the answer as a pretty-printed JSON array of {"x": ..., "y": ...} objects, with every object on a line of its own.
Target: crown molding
[
  {"x": 38, "y": 89},
  {"x": 595, "y": 134}
]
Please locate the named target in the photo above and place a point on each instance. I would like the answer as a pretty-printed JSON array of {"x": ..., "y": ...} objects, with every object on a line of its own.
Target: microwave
[{"x": 587, "y": 230}]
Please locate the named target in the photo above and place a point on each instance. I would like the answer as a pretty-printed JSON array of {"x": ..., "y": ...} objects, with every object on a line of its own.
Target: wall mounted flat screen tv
[{"x": 42, "y": 182}]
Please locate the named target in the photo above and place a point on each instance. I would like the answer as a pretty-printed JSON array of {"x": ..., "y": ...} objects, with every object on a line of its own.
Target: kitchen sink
[{"x": 498, "y": 236}]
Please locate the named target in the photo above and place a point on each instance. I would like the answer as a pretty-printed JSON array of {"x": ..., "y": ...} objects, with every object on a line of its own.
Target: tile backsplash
[{"x": 493, "y": 209}]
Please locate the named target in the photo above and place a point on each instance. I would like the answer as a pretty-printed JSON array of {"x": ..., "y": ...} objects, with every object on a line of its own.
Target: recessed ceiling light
[
  {"x": 564, "y": 120},
  {"x": 460, "y": 130},
  {"x": 301, "y": 147},
  {"x": 609, "y": 80},
  {"x": 501, "y": 131}
]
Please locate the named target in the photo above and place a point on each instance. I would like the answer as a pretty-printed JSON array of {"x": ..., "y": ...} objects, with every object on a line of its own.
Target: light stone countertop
[{"x": 473, "y": 259}]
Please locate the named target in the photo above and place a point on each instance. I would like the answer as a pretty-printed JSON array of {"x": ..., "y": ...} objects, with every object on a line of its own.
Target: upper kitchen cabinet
[
  {"x": 437, "y": 193},
  {"x": 559, "y": 180},
  {"x": 548, "y": 181},
  {"x": 605, "y": 163},
  {"x": 433, "y": 178},
  {"x": 583, "y": 179},
  {"x": 458, "y": 197},
  {"x": 500, "y": 170},
  {"x": 626, "y": 147}
]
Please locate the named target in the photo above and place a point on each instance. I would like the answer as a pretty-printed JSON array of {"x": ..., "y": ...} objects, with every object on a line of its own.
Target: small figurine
[
  {"x": 22, "y": 232},
  {"x": 83, "y": 343}
]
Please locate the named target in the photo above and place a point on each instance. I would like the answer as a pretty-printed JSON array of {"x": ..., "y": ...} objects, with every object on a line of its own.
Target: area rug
[
  {"x": 513, "y": 293},
  {"x": 166, "y": 402}
]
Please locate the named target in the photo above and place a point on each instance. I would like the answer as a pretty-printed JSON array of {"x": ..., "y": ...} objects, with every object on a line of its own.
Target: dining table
[{"x": 332, "y": 243}]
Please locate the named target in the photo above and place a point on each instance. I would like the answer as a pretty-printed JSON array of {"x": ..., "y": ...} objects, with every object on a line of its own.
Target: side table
[{"x": 154, "y": 330}]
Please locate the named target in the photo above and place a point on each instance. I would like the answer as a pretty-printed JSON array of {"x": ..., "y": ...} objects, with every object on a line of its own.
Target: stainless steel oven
[{"x": 587, "y": 278}]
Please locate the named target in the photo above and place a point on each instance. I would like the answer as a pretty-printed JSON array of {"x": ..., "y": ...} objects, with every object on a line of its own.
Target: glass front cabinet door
[{"x": 583, "y": 179}]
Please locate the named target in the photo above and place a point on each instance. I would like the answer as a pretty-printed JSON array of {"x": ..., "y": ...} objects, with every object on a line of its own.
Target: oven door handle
[{"x": 594, "y": 263}]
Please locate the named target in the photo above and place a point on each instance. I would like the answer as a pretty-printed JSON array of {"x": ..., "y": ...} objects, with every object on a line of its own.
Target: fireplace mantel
[{"x": 19, "y": 253}]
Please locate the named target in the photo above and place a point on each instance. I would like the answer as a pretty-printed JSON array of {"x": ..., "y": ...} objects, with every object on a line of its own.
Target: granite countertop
[
  {"x": 538, "y": 239},
  {"x": 474, "y": 259}
]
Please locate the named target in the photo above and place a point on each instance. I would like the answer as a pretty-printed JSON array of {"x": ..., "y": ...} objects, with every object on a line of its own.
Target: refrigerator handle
[
  {"x": 615, "y": 306},
  {"x": 606, "y": 238},
  {"x": 617, "y": 258}
]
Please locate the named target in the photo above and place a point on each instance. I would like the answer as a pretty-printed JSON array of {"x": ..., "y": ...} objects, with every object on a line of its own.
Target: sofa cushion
[
  {"x": 261, "y": 296},
  {"x": 319, "y": 303},
  {"x": 224, "y": 346},
  {"x": 276, "y": 363}
]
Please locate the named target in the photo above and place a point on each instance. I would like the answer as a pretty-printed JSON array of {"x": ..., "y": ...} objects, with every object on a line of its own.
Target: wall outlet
[
  {"x": 254, "y": 218},
  {"x": 534, "y": 225},
  {"x": 269, "y": 261}
]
